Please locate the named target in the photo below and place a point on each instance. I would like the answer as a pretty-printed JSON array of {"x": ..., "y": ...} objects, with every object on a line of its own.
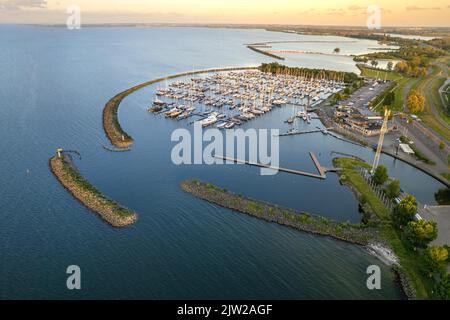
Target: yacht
[
  {"x": 221, "y": 125},
  {"x": 229, "y": 125},
  {"x": 173, "y": 110},
  {"x": 159, "y": 102},
  {"x": 208, "y": 121}
]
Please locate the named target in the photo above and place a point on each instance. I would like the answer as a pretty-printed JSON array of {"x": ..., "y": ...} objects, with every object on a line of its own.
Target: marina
[
  {"x": 47, "y": 229},
  {"x": 229, "y": 99}
]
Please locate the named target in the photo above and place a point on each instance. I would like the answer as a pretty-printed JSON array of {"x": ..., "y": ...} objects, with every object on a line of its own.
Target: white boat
[
  {"x": 229, "y": 125},
  {"x": 168, "y": 113},
  {"x": 208, "y": 121},
  {"x": 221, "y": 125},
  {"x": 257, "y": 112},
  {"x": 158, "y": 102}
]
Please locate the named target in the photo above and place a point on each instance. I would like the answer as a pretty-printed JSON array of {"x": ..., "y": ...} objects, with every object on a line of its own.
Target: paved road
[
  {"x": 441, "y": 92},
  {"x": 441, "y": 215}
]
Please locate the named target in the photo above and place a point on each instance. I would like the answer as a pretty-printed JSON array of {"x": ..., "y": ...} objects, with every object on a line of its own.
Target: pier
[
  {"x": 322, "y": 170},
  {"x": 292, "y": 133}
]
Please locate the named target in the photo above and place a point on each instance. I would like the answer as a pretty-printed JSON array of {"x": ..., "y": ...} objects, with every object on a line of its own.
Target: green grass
[
  {"x": 400, "y": 97},
  {"x": 436, "y": 97},
  {"x": 446, "y": 175},
  {"x": 410, "y": 260},
  {"x": 354, "y": 178},
  {"x": 380, "y": 74},
  {"x": 427, "y": 116}
]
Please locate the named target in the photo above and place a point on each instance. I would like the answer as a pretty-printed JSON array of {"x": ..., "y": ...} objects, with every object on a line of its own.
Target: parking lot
[{"x": 363, "y": 96}]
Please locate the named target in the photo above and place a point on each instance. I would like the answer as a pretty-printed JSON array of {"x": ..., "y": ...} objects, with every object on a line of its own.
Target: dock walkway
[
  {"x": 322, "y": 170},
  {"x": 324, "y": 131}
]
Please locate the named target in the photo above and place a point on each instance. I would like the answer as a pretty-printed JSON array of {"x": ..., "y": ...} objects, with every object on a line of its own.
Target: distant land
[{"x": 305, "y": 29}]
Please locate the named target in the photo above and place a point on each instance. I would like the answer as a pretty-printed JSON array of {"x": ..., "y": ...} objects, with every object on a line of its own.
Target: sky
[{"x": 413, "y": 13}]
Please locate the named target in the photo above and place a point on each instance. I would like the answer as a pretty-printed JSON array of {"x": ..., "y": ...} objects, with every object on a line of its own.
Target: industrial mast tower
[{"x": 384, "y": 129}]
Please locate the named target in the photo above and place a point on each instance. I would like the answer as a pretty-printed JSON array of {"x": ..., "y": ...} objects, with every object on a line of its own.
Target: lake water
[{"x": 53, "y": 87}]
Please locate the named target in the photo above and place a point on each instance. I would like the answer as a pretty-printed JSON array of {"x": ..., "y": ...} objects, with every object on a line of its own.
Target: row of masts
[{"x": 251, "y": 93}]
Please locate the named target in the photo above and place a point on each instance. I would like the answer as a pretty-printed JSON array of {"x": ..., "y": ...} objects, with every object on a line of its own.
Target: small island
[{"x": 116, "y": 215}]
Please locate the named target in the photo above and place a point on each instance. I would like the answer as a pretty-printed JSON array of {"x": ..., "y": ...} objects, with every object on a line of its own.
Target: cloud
[
  {"x": 22, "y": 4},
  {"x": 416, "y": 8},
  {"x": 307, "y": 11},
  {"x": 337, "y": 12},
  {"x": 356, "y": 8}
]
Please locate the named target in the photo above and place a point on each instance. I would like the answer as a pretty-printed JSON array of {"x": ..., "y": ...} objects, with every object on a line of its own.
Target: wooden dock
[{"x": 322, "y": 171}]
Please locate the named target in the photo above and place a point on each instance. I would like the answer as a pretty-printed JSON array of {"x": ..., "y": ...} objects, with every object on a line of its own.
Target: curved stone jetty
[
  {"x": 111, "y": 125},
  {"x": 302, "y": 221}
]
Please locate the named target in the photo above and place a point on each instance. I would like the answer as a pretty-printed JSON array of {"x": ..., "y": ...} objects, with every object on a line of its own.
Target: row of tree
[
  {"x": 417, "y": 233},
  {"x": 276, "y": 68}
]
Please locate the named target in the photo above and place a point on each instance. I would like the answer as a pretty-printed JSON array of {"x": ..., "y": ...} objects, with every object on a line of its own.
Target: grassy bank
[
  {"x": 379, "y": 74},
  {"x": 87, "y": 194},
  {"x": 411, "y": 263},
  {"x": 428, "y": 86},
  {"x": 299, "y": 220}
]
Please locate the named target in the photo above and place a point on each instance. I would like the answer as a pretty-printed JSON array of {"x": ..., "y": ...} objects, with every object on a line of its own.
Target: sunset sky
[{"x": 318, "y": 12}]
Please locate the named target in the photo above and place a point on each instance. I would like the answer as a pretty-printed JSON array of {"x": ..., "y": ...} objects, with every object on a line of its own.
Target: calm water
[{"x": 53, "y": 87}]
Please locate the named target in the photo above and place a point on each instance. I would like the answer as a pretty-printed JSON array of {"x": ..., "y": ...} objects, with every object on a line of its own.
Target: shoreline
[
  {"x": 113, "y": 130},
  {"x": 304, "y": 222},
  {"x": 110, "y": 211},
  {"x": 383, "y": 250}
]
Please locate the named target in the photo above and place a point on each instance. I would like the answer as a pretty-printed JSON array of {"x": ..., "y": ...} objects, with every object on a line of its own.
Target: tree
[
  {"x": 337, "y": 50},
  {"x": 443, "y": 197},
  {"x": 401, "y": 67},
  {"x": 374, "y": 63},
  {"x": 437, "y": 254},
  {"x": 381, "y": 175},
  {"x": 389, "y": 99},
  {"x": 442, "y": 145},
  {"x": 390, "y": 65},
  {"x": 420, "y": 233},
  {"x": 415, "y": 102},
  {"x": 435, "y": 259},
  {"x": 393, "y": 189},
  {"x": 405, "y": 211},
  {"x": 442, "y": 289}
]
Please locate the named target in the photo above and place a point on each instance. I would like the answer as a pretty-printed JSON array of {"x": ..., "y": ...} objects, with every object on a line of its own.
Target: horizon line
[{"x": 223, "y": 24}]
